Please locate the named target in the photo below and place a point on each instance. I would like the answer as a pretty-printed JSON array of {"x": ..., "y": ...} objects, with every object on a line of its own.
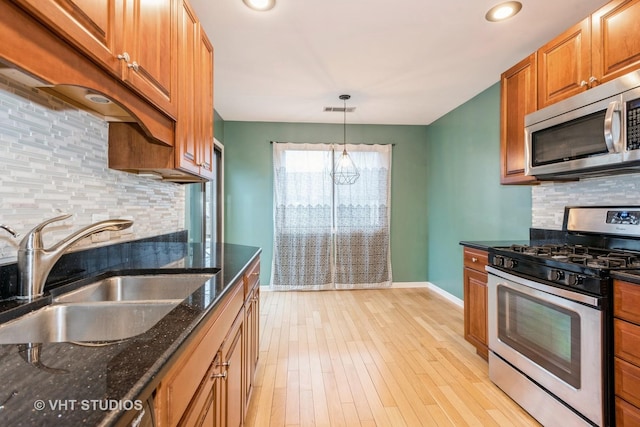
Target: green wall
[
  {"x": 249, "y": 185},
  {"x": 465, "y": 200}
]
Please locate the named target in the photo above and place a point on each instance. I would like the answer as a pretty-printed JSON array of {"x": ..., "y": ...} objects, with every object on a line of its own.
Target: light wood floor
[{"x": 390, "y": 357}]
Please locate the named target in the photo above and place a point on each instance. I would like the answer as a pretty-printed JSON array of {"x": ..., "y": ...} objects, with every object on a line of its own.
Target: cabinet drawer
[
  {"x": 475, "y": 259},
  {"x": 626, "y": 338},
  {"x": 626, "y": 301},
  {"x": 626, "y": 415},
  {"x": 627, "y": 381},
  {"x": 251, "y": 277}
]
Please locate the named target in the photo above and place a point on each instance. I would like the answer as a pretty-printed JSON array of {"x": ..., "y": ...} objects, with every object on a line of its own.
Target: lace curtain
[{"x": 330, "y": 236}]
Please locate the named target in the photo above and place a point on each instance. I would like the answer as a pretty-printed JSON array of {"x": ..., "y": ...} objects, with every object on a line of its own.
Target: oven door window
[{"x": 546, "y": 334}]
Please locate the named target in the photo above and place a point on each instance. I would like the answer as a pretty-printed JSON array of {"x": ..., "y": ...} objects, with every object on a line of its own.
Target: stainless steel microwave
[{"x": 596, "y": 132}]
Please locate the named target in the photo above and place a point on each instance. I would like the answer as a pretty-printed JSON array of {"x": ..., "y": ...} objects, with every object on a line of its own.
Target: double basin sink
[{"x": 110, "y": 309}]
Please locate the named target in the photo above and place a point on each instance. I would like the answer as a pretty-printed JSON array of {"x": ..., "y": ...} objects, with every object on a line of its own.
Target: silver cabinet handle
[
  {"x": 134, "y": 65},
  {"x": 474, "y": 259},
  {"x": 222, "y": 375},
  {"x": 583, "y": 83},
  {"x": 124, "y": 57},
  {"x": 592, "y": 79}
]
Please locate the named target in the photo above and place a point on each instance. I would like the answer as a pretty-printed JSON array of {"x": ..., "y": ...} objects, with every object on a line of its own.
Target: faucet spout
[{"x": 35, "y": 261}]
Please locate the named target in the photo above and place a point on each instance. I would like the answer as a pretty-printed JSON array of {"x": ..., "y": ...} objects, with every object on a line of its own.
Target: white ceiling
[{"x": 402, "y": 61}]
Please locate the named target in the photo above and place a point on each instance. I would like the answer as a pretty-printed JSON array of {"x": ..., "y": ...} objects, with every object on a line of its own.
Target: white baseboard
[
  {"x": 450, "y": 297},
  {"x": 446, "y": 295}
]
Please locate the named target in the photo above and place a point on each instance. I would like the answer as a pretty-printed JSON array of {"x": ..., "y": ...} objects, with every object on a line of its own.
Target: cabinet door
[
  {"x": 188, "y": 126},
  {"x": 475, "y": 310},
  {"x": 204, "y": 409},
  {"x": 615, "y": 39},
  {"x": 233, "y": 391},
  {"x": 252, "y": 328},
  {"x": 204, "y": 87},
  {"x": 150, "y": 38},
  {"x": 90, "y": 25},
  {"x": 518, "y": 97},
  {"x": 564, "y": 64}
]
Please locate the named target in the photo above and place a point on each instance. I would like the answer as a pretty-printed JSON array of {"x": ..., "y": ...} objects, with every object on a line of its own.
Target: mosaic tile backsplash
[
  {"x": 53, "y": 160},
  {"x": 549, "y": 198}
]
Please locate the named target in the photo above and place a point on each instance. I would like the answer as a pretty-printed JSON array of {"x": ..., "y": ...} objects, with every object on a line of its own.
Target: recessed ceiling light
[
  {"x": 260, "y": 5},
  {"x": 503, "y": 11}
]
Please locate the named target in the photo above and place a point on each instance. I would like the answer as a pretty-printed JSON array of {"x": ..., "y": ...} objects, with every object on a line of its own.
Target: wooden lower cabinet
[
  {"x": 626, "y": 343},
  {"x": 207, "y": 385},
  {"x": 233, "y": 396},
  {"x": 475, "y": 300}
]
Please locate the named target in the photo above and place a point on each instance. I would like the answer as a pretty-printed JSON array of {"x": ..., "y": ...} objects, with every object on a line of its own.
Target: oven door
[{"x": 552, "y": 336}]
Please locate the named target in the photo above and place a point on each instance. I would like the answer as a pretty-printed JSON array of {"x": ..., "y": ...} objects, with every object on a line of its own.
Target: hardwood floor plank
[{"x": 388, "y": 357}]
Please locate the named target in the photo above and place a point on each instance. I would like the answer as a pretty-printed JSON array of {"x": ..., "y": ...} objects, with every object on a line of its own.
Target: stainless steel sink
[
  {"x": 111, "y": 309},
  {"x": 85, "y": 322},
  {"x": 136, "y": 288}
]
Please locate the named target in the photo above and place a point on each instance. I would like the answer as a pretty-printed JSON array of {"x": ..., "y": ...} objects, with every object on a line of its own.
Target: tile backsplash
[
  {"x": 53, "y": 159},
  {"x": 550, "y": 198}
]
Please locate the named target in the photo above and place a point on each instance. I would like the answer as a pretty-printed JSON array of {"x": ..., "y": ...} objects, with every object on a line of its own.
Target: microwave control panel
[{"x": 633, "y": 125}]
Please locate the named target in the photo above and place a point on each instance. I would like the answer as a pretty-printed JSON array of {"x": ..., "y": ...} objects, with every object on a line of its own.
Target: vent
[{"x": 339, "y": 109}]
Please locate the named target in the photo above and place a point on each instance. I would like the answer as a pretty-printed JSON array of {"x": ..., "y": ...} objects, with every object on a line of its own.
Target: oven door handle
[{"x": 559, "y": 292}]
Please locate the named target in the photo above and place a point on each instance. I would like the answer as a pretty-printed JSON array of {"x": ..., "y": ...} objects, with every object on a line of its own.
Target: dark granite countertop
[
  {"x": 485, "y": 245},
  {"x": 79, "y": 384}
]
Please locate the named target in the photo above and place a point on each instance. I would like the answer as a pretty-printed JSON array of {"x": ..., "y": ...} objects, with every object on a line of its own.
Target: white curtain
[
  {"x": 362, "y": 211},
  {"x": 330, "y": 236}
]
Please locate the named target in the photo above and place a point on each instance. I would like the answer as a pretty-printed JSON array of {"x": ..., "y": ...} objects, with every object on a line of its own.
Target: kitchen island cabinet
[
  {"x": 475, "y": 299},
  {"x": 602, "y": 47},
  {"x": 626, "y": 326}
]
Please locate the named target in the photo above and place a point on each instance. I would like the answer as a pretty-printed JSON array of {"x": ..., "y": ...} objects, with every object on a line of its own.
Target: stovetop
[{"x": 591, "y": 257}]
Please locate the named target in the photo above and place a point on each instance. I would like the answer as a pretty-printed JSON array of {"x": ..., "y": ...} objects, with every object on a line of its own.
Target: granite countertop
[
  {"x": 486, "y": 244},
  {"x": 82, "y": 384}
]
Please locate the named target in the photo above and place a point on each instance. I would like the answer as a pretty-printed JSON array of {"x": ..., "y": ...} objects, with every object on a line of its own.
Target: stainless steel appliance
[
  {"x": 596, "y": 132},
  {"x": 550, "y": 319}
]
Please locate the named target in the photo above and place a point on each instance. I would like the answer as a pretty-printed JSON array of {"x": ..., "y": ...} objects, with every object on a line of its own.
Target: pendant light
[{"x": 344, "y": 171}]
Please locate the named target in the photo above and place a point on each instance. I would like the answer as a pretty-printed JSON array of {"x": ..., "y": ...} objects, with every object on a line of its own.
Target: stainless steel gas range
[{"x": 550, "y": 319}]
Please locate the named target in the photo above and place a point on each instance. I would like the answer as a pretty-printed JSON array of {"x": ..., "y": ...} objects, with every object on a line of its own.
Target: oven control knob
[
  {"x": 572, "y": 279},
  {"x": 555, "y": 275},
  {"x": 509, "y": 263},
  {"x": 498, "y": 261}
]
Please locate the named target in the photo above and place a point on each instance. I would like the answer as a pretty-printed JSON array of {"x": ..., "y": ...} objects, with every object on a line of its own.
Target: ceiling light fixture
[
  {"x": 260, "y": 5},
  {"x": 344, "y": 171},
  {"x": 503, "y": 11}
]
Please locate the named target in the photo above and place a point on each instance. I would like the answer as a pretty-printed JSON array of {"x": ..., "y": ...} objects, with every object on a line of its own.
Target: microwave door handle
[{"x": 612, "y": 132}]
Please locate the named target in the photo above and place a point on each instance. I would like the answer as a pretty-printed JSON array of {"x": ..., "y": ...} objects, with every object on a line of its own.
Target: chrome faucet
[
  {"x": 9, "y": 230},
  {"x": 35, "y": 261}
]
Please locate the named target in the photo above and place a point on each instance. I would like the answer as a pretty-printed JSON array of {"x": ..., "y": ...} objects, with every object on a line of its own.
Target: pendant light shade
[{"x": 344, "y": 171}]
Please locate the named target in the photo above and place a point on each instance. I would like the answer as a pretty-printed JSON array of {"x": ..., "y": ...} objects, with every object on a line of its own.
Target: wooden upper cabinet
[
  {"x": 600, "y": 48},
  {"x": 135, "y": 40},
  {"x": 150, "y": 40},
  {"x": 194, "y": 147},
  {"x": 615, "y": 39},
  {"x": 91, "y": 25},
  {"x": 517, "y": 99},
  {"x": 564, "y": 64}
]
